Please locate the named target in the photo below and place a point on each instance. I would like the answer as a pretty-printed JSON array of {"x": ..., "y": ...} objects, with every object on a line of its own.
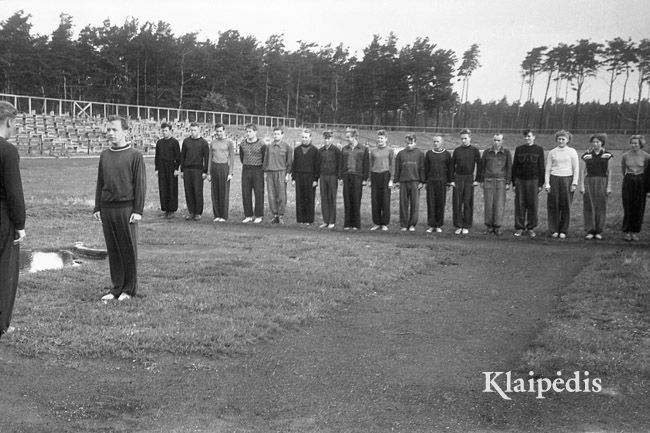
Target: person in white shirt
[{"x": 560, "y": 182}]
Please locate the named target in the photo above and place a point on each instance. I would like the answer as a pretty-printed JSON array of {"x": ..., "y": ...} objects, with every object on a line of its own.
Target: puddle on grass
[{"x": 42, "y": 260}]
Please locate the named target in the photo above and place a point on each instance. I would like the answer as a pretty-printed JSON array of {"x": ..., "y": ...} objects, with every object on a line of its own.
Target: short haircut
[
  {"x": 465, "y": 131},
  {"x": 602, "y": 137},
  {"x": 439, "y": 137},
  {"x": 307, "y": 131},
  {"x": 381, "y": 133},
  {"x": 251, "y": 126},
  {"x": 166, "y": 125},
  {"x": 123, "y": 122},
  {"x": 411, "y": 138},
  {"x": 7, "y": 111},
  {"x": 278, "y": 128},
  {"x": 219, "y": 125},
  {"x": 499, "y": 135},
  {"x": 327, "y": 134},
  {"x": 563, "y": 133},
  {"x": 353, "y": 132},
  {"x": 528, "y": 131},
  {"x": 641, "y": 139}
]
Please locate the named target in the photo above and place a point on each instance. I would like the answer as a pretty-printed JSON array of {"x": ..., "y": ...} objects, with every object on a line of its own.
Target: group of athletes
[{"x": 274, "y": 163}]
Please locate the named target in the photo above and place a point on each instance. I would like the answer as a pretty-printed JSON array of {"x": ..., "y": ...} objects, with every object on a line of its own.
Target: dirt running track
[{"x": 408, "y": 359}]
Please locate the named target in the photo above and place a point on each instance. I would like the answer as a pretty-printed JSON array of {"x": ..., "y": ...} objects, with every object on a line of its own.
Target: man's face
[
  {"x": 220, "y": 133},
  {"x": 530, "y": 138},
  {"x": 277, "y": 135},
  {"x": 381, "y": 141},
  {"x": 328, "y": 141},
  {"x": 251, "y": 134},
  {"x": 496, "y": 141},
  {"x": 116, "y": 135},
  {"x": 194, "y": 131},
  {"x": 11, "y": 128},
  {"x": 166, "y": 132},
  {"x": 350, "y": 139},
  {"x": 305, "y": 138},
  {"x": 410, "y": 144},
  {"x": 465, "y": 139},
  {"x": 437, "y": 143}
]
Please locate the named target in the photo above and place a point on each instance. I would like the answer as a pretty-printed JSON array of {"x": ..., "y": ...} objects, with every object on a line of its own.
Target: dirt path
[{"x": 409, "y": 358}]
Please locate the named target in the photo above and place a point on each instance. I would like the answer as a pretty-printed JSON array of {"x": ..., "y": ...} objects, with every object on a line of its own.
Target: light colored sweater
[{"x": 562, "y": 161}]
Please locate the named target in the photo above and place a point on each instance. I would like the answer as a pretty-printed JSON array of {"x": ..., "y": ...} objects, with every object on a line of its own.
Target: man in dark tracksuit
[
  {"x": 251, "y": 154},
  {"x": 528, "y": 181},
  {"x": 167, "y": 161},
  {"x": 305, "y": 173},
  {"x": 12, "y": 216},
  {"x": 466, "y": 161},
  {"x": 195, "y": 162},
  {"x": 437, "y": 171},
  {"x": 119, "y": 202},
  {"x": 329, "y": 168},
  {"x": 409, "y": 174},
  {"x": 355, "y": 163}
]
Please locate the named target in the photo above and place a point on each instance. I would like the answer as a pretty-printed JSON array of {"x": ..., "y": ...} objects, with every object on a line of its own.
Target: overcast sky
[{"x": 505, "y": 29}]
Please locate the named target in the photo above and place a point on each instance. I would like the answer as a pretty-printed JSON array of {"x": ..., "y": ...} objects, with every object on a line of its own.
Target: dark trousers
[
  {"x": 494, "y": 194},
  {"x": 526, "y": 203},
  {"x": 305, "y": 194},
  {"x": 559, "y": 204},
  {"x": 409, "y": 203},
  {"x": 329, "y": 185},
  {"x": 463, "y": 201},
  {"x": 193, "y": 182},
  {"x": 122, "y": 246},
  {"x": 168, "y": 187},
  {"x": 9, "y": 263},
  {"x": 436, "y": 200},
  {"x": 380, "y": 198},
  {"x": 595, "y": 204},
  {"x": 220, "y": 189},
  {"x": 252, "y": 183},
  {"x": 352, "y": 191},
  {"x": 634, "y": 200}
]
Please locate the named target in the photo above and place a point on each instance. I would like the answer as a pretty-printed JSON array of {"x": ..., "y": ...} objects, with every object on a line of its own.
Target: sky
[{"x": 504, "y": 29}]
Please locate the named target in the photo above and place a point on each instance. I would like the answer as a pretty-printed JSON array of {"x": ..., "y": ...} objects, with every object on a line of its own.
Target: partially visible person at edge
[
  {"x": 560, "y": 182},
  {"x": 595, "y": 186},
  {"x": 330, "y": 164},
  {"x": 528, "y": 181},
  {"x": 634, "y": 164},
  {"x": 119, "y": 202},
  {"x": 305, "y": 173},
  {"x": 251, "y": 155},
  {"x": 466, "y": 160},
  {"x": 12, "y": 216},
  {"x": 382, "y": 163},
  {"x": 278, "y": 159},
  {"x": 494, "y": 176},
  {"x": 409, "y": 177},
  {"x": 195, "y": 161},
  {"x": 355, "y": 162},
  {"x": 437, "y": 172},
  {"x": 166, "y": 163},
  {"x": 222, "y": 161}
]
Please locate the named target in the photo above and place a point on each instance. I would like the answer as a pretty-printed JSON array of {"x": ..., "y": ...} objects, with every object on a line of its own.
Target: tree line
[{"x": 146, "y": 64}]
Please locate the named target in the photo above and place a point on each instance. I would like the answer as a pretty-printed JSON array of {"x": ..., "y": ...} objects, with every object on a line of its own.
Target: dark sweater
[
  {"x": 528, "y": 163},
  {"x": 11, "y": 187},
  {"x": 465, "y": 160},
  {"x": 596, "y": 164},
  {"x": 437, "y": 166},
  {"x": 355, "y": 161},
  {"x": 330, "y": 160},
  {"x": 409, "y": 166},
  {"x": 195, "y": 154},
  {"x": 167, "y": 150},
  {"x": 121, "y": 179},
  {"x": 305, "y": 160}
]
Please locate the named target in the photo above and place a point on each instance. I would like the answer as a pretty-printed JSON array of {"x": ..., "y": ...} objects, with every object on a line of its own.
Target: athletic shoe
[
  {"x": 197, "y": 217},
  {"x": 465, "y": 231},
  {"x": 189, "y": 217},
  {"x": 216, "y": 220},
  {"x": 438, "y": 230},
  {"x": 589, "y": 236},
  {"x": 412, "y": 228},
  {"x": 322, "y": 226},
  {"x": 532, "y": 233},
  {"x": 403, "y": 229},
  {"x": 384, "y": 228},
  {"x": 458, "y": 231},
  {"x": 275, "y": 220},
  {"x": 635, "y": 237},
  {"x": 555, "y": 234},
  {"x": 247, "y": 220},
  {"x": 257, "y": 220},
  {"x": 355, "y": 228},
  {"x": 331, "y": 226},
  {"x": 430, "y": 230},
  {"x": 375, "y": 227},
  {"x": 562, "y": 236},
  {"x": 519, "y": 233},
  {"x": 598, "y": 236},
  {"x": 347, "y": 228},
  {"x": 628, "y": 236},
  {"x": 108, "y": 297},
  {"x": 124, "y": 297}
]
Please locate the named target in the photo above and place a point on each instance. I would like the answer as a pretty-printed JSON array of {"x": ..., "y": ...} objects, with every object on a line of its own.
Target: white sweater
[{"x": 562, "y": 161}]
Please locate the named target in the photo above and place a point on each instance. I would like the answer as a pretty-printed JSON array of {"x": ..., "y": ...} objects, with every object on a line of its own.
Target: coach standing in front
[
  {"x": 195, "y": 162},
  {"x": 119, "y": 202},
  {"x": 12, "y": 216}
]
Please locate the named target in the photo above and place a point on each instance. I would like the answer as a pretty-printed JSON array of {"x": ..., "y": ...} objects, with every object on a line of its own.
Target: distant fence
[{"x": 61, "y": 107}]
